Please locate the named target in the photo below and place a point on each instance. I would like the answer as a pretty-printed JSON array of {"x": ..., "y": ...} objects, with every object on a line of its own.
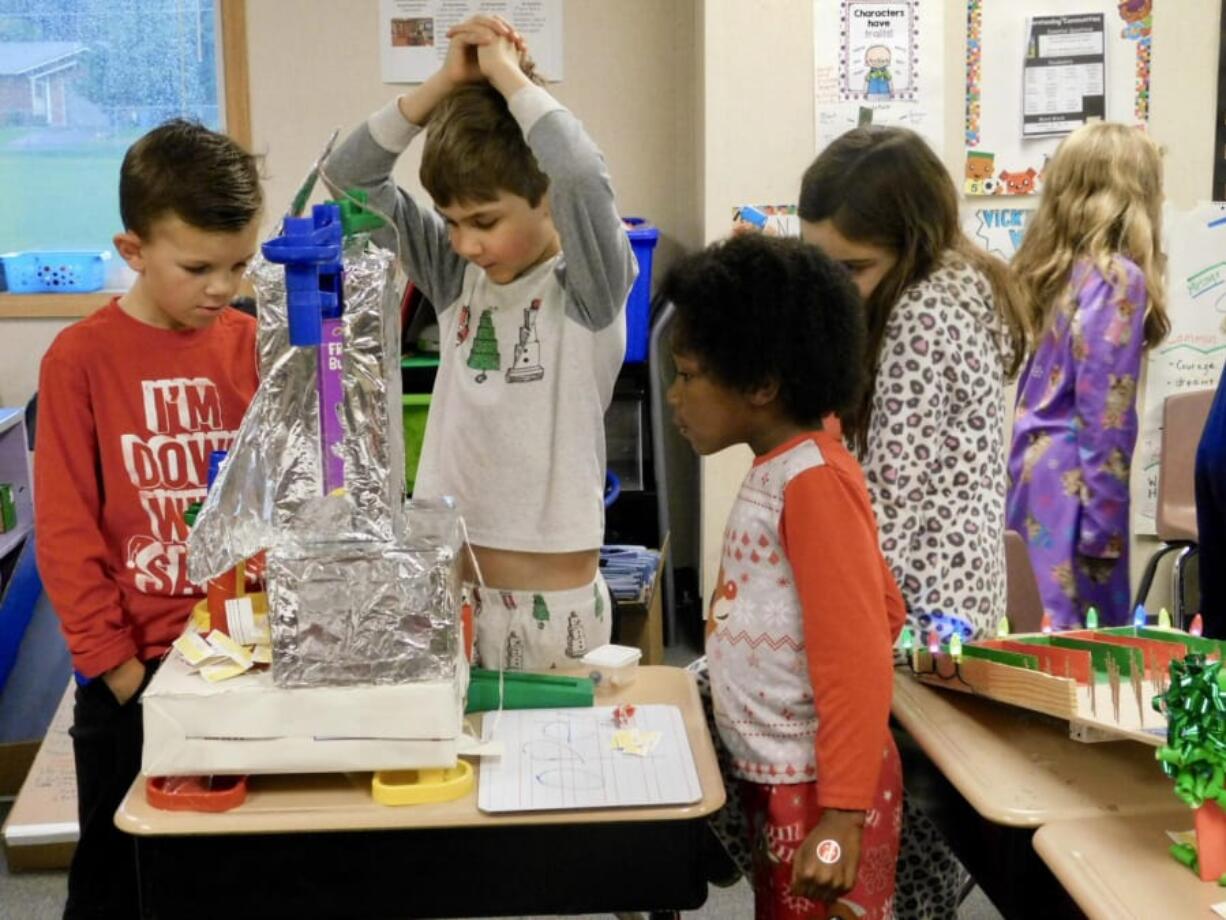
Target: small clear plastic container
[{"x": 613, "y": 666}]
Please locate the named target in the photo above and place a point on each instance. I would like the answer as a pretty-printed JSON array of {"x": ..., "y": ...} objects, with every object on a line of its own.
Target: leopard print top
[{"x": 935, "y": 463}]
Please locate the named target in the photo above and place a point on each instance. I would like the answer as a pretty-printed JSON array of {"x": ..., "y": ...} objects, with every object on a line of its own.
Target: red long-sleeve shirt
[
  {"x": 127, "y": 417},
  {"x": 802, "y": 625}
]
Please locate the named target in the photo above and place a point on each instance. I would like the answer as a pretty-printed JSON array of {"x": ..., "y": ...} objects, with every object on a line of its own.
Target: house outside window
[{"x": 80, "y": 80}]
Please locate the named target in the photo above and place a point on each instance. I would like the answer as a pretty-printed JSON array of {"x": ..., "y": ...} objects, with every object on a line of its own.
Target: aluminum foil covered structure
[
  {"x": 369, "y": 613},
  {"x": 362, "y": 588},
  {"x": 271, "y": 488}
]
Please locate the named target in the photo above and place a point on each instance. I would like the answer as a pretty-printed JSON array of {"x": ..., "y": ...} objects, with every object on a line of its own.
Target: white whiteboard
[
  {"x": 1192, "y": 356},
  {"x": 563, "y": 759}
]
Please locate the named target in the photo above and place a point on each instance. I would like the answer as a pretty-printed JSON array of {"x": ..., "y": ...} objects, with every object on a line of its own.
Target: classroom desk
[
  {"x": 989, "y": 774},
  {"x": 1117, "y": 867},
  {"x": 319, "y": 846}
]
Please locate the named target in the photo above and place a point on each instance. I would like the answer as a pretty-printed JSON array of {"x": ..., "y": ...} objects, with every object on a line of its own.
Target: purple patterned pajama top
[{"x": 1074, "y": 431}]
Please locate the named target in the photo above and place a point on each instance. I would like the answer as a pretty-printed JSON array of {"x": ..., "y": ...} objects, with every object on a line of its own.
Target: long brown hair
[
  {"x": 885, "y": 187},
  {"x": 1102, "y": 197}
]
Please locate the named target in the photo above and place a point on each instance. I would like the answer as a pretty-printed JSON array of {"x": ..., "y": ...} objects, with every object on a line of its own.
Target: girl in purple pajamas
[{"x": 1091, "y": 270}]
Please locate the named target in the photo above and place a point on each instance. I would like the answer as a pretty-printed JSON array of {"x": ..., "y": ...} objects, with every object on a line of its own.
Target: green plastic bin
[{"x": 416, "y": 408}]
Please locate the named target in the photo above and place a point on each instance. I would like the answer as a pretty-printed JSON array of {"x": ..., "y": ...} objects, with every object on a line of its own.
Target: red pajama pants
[{"x": 780, "y": 817}]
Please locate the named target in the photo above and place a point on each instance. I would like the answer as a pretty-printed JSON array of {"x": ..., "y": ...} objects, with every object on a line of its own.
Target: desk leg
[
  {"x": 1001, "y": 859},
  {"x": 563, "y": 869}
]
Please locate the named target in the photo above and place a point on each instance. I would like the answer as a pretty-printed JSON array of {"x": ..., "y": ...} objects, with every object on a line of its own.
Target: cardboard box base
[{"x": 248, "y": 725}]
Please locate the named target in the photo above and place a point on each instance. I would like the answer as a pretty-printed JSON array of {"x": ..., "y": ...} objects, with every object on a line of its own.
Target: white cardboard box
[{"x": 248, "y": 725}]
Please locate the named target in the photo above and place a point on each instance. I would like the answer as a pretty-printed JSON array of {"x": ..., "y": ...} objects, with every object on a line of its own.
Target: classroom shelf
[
  {"x": 52, "y": 306},
  {"x": 9, "y": 541},
  {"x": 15, "y": 469},
  {"x": 419, "y": 361}
]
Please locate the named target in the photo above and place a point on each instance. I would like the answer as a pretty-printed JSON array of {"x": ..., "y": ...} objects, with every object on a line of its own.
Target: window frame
[{"x": 235, "y": 82}]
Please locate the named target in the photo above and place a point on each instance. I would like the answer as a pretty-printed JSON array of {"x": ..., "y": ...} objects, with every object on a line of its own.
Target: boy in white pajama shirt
[{"x": 527, "y": 264}]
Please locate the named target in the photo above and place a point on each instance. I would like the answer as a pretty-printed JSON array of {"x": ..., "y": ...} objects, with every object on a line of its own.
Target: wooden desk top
[
  {"x": 1117, "y": 867},
  {"x": 342, "y": 801},
  {"x": 1021, "y": 769}
]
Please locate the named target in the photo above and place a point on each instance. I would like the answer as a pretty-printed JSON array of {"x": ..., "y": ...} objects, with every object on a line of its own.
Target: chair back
[
  {"x": 1023, "y": 605},
  {"x": 1183, "y": 421}
]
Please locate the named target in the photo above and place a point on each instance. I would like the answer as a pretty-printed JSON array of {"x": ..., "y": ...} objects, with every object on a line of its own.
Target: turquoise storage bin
[
  {"x": 49, "y": 271},
  {"x": 643, "y": 239}
]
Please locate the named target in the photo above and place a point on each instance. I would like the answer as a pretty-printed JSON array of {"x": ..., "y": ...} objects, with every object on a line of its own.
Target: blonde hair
[{"x": 1102, "y": 198}]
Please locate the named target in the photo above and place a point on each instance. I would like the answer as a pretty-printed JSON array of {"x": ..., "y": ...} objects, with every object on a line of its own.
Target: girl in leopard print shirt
[{"x": 944, "y": 334}]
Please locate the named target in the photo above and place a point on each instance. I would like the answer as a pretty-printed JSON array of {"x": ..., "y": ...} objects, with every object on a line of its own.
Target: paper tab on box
[
  {"x": 215, "y": 672},
  {"x": 196, "y": 650},
  {"x": 242, "y": 621},
  {"x": 227, "y": 647}
]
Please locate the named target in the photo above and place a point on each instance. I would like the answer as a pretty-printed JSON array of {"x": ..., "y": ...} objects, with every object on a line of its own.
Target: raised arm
[
  {"x": 599, "y": 266},
  {"x": 365, "y": 160}
]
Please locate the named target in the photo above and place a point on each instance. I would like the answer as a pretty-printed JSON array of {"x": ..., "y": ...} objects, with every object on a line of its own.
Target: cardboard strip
[
  {"x": 1158, "y": 655},
  {"x": 1055, "y": 661}
]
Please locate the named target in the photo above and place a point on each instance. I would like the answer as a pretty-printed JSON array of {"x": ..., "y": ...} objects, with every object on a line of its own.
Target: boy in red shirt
[
  {"x": 132, "y": 400},
  {"x": 806, "y": 610}
]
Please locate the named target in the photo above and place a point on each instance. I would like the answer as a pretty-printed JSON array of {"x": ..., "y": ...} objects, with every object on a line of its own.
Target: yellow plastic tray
[{"x": 413, "y": 787}]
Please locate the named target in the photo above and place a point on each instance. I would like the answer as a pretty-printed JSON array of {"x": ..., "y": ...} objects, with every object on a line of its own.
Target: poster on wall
[
  {"x": 1192, "y": 356},
  {"x": 413, "y": 33},
  {"x": 1063, "y": 83},
  {"x": 878, "y": 62},
  {"x": 1032, "y": 77},
  {"x": 998, "y": 230}
]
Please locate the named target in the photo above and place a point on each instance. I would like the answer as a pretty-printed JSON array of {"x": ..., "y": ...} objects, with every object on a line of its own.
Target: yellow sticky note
[
  {"x": 215, "y": 672},
  {"x": 196, "y": 649},
  {"x": 230, "y": 649}
]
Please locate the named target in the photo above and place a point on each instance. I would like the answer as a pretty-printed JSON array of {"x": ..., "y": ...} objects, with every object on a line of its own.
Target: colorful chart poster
[
  {"x": 1191, "y": 357},
  {"x": 1018, "y": 105},
  {"x": 879, "y": 62}
]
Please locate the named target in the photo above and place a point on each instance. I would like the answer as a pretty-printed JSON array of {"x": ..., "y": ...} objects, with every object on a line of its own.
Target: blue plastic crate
[
  {"x": 48, "y": 271},
  {"x": 643, "y": 239}
]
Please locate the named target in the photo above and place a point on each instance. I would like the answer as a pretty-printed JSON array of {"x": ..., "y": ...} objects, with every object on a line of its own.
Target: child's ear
[
  {"x": 130, "y": 248},
  {"x": 765, "y": 394}
]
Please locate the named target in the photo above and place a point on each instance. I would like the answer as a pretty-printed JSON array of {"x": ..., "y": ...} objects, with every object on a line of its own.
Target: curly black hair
[{"x": 756, "y": 309}]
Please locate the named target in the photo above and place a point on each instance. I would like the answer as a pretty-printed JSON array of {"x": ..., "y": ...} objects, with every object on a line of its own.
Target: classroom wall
[
  {"x": 22, "y": 344},
  {"x": 759, "y": 136}
]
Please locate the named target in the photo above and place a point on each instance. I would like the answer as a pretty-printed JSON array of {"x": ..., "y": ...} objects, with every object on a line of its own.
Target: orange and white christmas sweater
[{"x": 801, "y": 626}]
